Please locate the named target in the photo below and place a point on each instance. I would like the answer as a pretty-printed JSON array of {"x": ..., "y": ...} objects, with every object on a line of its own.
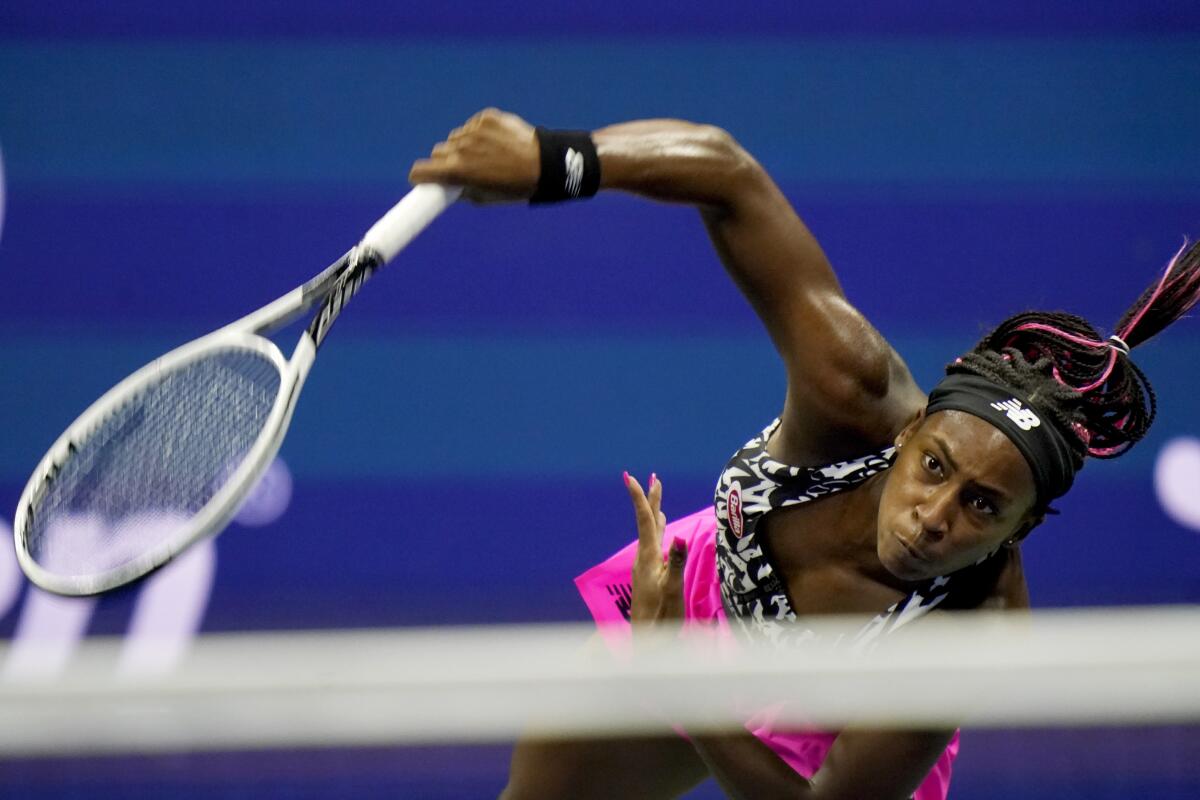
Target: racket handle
[{"x": 406, "y": 219}]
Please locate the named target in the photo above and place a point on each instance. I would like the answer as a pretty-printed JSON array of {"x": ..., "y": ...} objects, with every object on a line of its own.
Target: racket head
[{"x": 161, "y": 460}]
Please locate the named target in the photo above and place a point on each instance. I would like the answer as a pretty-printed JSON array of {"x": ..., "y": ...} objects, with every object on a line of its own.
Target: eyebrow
[{"x": 992, "y": 490}]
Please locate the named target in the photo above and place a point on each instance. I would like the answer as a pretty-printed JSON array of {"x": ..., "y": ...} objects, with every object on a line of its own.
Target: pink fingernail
[
  {"x": 653, "y": 478},
  {"x": 678, "y": 552},
  {"x": 625, "y": 475}
]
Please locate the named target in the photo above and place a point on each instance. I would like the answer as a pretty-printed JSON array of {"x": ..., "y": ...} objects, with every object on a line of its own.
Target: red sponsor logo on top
[{"x": 735, "y": 510}]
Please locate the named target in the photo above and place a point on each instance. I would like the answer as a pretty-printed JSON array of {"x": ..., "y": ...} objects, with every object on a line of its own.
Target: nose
[{"x": 933, "y": 513}]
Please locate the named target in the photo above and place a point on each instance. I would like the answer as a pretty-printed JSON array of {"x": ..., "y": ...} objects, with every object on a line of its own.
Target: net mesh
[{"x": 136, "y": 478}]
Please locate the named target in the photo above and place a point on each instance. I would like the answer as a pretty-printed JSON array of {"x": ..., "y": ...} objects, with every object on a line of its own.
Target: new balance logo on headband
[
  {"x": 574, "y": 164},
  {"x": 1022, "y": 417}
]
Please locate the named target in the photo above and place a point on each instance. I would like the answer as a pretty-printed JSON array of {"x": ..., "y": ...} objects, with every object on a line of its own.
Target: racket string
[{"x": 143, "y": 471}]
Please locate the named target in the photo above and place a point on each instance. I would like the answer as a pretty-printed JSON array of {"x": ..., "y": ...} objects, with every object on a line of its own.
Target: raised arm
[{"x": 846, "y": 386}]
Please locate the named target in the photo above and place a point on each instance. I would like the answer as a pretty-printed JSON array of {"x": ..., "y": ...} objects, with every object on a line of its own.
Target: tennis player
[{"x": 866, "y": 496}]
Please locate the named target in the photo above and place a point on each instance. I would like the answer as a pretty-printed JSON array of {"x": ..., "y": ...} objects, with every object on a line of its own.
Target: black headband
[{"x": 1038, "y": 438}]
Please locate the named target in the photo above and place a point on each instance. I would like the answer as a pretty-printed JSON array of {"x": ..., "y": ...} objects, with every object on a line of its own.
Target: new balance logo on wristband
[
  {"x": 570, "y": 167},
  {"x": 574, "y": 165},
  {"x": 1024, "y": 418}
]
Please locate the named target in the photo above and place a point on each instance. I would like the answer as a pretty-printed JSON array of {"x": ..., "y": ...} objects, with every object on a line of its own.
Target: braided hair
[{"x": 1088, "y": 385}]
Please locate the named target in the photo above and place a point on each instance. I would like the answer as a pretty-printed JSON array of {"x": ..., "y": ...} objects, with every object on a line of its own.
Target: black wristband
[{"x": 570, "y": 166}]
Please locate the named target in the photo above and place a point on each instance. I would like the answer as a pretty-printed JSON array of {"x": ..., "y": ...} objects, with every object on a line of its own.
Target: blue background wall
[{"x": 167, "y": 169}]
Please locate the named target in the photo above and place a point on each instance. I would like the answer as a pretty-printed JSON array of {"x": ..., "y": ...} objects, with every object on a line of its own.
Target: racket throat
[{"x": 361, "y": 263}]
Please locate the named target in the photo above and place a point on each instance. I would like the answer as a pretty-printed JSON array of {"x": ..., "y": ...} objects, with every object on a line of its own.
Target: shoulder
[
  {"x": 997, "y": 584},
  {"x": 858, "y": 408},
  {"x": 1010, "y": 591}
]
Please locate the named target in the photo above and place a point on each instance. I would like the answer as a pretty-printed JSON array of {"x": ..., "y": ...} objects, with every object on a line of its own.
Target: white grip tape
[{"x": 406, "y": 219}]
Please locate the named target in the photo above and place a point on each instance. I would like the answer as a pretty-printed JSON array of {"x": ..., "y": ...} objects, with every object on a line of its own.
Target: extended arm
[{"x": 847, "y": 387}]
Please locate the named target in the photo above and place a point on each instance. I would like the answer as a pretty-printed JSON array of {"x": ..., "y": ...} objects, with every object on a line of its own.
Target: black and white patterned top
[{"x": 752, "y": 591}]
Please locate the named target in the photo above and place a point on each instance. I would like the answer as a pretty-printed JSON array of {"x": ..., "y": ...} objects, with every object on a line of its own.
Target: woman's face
[{"x": 959, "y": 490}]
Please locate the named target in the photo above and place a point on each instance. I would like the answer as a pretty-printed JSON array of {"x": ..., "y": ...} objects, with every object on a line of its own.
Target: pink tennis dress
[{"x": 729, "y": 581}]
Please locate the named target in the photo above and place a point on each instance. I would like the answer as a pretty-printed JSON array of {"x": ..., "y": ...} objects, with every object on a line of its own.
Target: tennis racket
[{"x": 166, "y": 456}]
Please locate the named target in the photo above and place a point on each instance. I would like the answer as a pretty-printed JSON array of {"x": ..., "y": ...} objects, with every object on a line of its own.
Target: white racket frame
[{"x": 386, "y": 237}]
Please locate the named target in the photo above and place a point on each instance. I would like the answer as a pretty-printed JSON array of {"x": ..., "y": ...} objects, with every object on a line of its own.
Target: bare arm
[
  {"x": 846, "y": 385},
  {"x": 883, "y": 765},
  {"x": 862, "y": 762}
]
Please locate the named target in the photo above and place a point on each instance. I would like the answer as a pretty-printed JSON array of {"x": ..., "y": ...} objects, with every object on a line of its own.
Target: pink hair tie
[{"x": 1117, "y": 343}]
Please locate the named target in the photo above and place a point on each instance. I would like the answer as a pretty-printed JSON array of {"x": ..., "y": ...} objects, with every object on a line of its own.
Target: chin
[
  {"x": 905, "y": 573},
  {"x": 897, "y": 567}
]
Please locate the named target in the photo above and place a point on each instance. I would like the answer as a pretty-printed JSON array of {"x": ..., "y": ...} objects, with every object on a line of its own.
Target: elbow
[
  {"x": 738, "y": 176},
  {"x": 719, "y": 143},
  {"x": 739, "y": 165}
]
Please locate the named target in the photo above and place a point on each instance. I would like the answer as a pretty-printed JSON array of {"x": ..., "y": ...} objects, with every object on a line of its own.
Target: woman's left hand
[{"x": 657, "y": 580}]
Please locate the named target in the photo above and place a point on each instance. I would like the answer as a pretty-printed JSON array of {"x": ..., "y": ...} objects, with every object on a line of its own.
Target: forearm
[
  {"x": 747, "y": 769},
  {"x": 880, "y": 764},
  {"x": 676, "y": 161}
]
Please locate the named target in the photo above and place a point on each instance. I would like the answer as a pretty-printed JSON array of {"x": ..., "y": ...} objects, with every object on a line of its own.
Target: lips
[{"x": 912, "y": 551}]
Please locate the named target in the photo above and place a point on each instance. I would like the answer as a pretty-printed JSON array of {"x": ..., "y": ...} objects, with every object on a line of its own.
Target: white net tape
[{"x": 1108, "y": 666}]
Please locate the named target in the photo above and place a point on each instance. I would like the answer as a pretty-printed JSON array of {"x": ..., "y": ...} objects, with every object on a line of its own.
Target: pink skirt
[{"x": 605, "y": 589}]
